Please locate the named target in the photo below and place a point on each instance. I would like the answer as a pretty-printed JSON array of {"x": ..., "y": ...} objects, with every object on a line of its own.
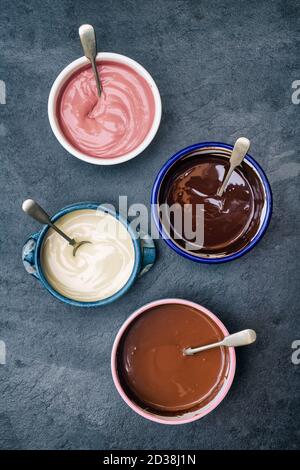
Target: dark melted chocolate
[
  {"x": 156, "y": 374},
  {"x": 230, "y": 221}
]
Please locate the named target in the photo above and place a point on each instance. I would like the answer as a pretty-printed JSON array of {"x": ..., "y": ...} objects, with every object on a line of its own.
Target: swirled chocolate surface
[
  {"x": 156, "y": 374},
  {"x": 230, "y": 221},
  {"x": 114, "y": 124}
]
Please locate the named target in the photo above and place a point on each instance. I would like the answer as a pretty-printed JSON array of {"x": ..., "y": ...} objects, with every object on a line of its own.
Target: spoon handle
[
  {"x": 242, "y": 338},
  {"x": 34, "y": 210},
  {"x": 98, "y": 83},
  {"x": 239, "y": 151},
  {"x": 225, "y": 182},
  {"x": 88, "y": 41},
  {"x": 192, "y": 351}
]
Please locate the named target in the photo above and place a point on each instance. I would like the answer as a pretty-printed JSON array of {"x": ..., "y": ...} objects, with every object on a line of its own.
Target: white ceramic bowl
[{"x": 64, "y": 76}]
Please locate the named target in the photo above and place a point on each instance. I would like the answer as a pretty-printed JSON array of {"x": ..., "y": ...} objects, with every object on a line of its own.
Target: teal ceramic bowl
[{"x": 144, "y": 250}]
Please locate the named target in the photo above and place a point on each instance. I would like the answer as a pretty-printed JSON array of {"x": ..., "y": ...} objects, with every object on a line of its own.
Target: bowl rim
[
  {"x": 63, "y": 77},
  {"x": 97, "y": 303},
  {"x": 154, "y": 198},
  {"x": 160, "y": 419}
]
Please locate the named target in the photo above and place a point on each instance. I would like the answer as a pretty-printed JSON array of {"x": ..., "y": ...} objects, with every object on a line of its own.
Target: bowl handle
[
  {"x": 28, "y": 254},
  {"x": 148, "y": 253}
]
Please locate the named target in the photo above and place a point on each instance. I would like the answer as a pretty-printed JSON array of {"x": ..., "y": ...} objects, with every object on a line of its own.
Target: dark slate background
[{"x": 224, "y": 69}]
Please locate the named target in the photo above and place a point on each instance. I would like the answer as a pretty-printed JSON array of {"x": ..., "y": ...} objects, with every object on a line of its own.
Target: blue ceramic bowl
[
  {"x": 144, "y": 249},
  {"x": 224, "y": 150}
]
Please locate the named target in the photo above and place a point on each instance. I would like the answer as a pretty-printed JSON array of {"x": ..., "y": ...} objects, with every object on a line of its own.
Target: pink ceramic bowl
[{"x": 187, "y": 417}]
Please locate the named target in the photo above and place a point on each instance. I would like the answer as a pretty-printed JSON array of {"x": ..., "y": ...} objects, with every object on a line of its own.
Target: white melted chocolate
[{"x": 100, "y": 268}]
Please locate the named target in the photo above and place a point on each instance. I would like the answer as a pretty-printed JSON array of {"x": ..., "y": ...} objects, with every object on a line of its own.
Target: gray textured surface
[{"x": 223, "y": 69}]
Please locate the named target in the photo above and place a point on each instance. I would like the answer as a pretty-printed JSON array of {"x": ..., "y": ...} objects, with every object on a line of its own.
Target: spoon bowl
[{"x": 79, "y": 244}]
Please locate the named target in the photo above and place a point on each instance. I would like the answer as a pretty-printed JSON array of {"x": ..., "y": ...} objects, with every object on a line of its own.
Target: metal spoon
[
  {"x": 242, "y": 338},
  {"x": 88, "y": 41},
  {"x": 35, "y": 211},
  {"x": 239, "y": 151}
]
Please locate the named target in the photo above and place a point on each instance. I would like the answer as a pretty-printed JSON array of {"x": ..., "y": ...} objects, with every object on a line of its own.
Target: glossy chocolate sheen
[
  {"x": 230, "y": 221},
  {"x": 156, "y": 374}
]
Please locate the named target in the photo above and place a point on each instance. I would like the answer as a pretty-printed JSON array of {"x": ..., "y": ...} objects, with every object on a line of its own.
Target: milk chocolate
[{"x": 153, "y": 369}]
